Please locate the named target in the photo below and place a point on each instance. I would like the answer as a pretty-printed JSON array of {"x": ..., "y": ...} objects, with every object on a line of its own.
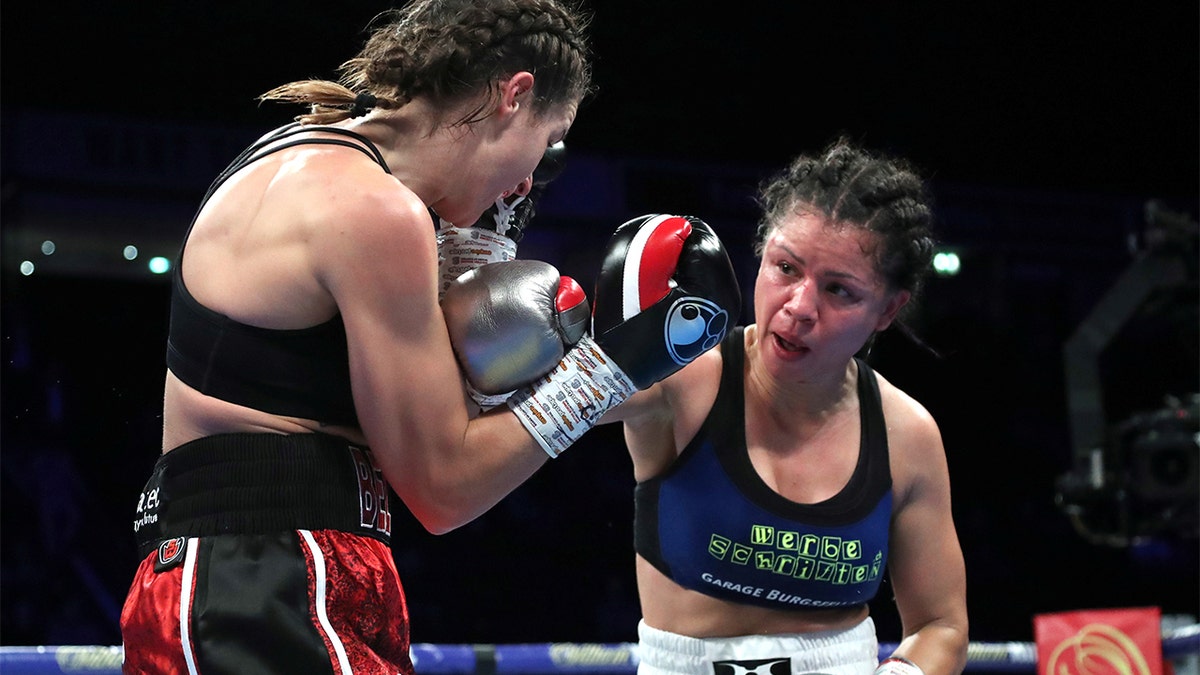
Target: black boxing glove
[
  {"x": 510, "y": 323},
  {"x": 666, "y": 293},
  {"x": 495, "y": 235}
]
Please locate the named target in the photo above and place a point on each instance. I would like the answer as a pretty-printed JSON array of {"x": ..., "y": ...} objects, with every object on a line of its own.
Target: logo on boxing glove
[{"x": 693, "y": 326}]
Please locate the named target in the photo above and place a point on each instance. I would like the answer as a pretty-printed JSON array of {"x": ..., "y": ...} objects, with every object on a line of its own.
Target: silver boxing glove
[{"x": 512, "y": 322}]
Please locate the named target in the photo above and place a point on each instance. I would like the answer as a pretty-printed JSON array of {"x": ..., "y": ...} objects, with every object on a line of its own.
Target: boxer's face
[
  {"x": 818, "y": 296},
  {"x": 526, "y": 142}
]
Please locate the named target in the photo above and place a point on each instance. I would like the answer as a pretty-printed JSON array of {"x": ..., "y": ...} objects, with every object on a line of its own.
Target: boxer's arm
[
  {"x": 932, "y": 607},
  {"x": 447, "y": 468},
  {"x": 381, "y": 270}
]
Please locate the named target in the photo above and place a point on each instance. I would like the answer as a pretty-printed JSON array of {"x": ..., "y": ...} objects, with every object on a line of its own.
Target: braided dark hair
[
  {"x": 852, "y": 187},
  {"x": 452, "y": 51}
]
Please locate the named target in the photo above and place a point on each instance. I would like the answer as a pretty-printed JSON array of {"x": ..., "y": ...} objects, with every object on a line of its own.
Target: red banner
[{"x": 1100, "y": 642}]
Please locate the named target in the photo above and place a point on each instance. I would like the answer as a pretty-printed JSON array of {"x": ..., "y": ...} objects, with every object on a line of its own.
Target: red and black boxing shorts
[{"x": 265, "y": 553}]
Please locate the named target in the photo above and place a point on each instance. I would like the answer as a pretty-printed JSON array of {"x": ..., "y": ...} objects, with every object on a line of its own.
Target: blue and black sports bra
[
  {"x": 299, "y": 373},
  {"x": 712, "y": 525}
]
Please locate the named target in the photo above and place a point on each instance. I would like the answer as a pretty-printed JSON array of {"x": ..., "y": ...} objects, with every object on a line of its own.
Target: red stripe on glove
[
  {"x": 660, "y": 257},
  {"x": 570, "y": 294}
]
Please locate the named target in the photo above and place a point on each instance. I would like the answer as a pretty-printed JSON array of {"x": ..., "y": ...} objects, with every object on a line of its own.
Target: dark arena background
[{"x": 1062, "y": 143}]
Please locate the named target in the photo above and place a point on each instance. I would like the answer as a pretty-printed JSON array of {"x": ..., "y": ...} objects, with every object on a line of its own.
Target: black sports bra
[{"x": 299, "y": 373}]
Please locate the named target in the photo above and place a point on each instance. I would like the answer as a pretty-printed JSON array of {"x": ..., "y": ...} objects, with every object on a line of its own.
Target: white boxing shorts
[{"x": 852, "y": 651}]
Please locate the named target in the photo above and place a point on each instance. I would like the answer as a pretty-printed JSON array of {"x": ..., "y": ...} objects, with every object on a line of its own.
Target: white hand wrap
[
  {"x": 561, "y": 406},
  {"x": 462, "y": 249},
  {"x": 898, "y": 665}
]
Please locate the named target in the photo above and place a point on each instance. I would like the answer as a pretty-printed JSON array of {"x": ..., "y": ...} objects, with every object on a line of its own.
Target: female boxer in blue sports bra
[{"x": 780, "y": 477}]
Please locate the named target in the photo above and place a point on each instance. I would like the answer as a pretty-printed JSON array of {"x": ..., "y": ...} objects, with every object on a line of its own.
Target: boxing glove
[
  {"x": 495, "y": 235},
  {"x": 666, "y": 293},
  {"x": 511, "y": 322}
]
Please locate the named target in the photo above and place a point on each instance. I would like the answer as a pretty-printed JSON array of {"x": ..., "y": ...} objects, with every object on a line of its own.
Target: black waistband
[{"x": 256, "y": 483}]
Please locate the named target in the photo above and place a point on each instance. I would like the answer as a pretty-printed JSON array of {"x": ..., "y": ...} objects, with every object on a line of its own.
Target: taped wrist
[
  {"x": 561, "y": 406},
  {"x": 462, "y": 249},
  {"x": 898, "y": 665}
]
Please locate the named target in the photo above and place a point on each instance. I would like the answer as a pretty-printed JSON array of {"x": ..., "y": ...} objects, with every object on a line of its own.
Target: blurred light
[
  {"x": 946, "y": 263},
  {"x": 47, "y": 247},
  {"x": 130, "y": 252},
  {"x": 26, "y": 267},
  {"x": 159, "y": 265}
]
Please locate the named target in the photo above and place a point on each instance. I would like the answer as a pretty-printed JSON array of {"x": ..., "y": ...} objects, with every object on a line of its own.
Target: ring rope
[{"x": 535, "y": 659}]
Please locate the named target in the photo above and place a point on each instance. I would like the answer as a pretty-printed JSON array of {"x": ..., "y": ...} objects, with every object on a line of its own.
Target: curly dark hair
[
  {"x": 452, "y": 51},
  {"x": 853, "y": 187}
]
